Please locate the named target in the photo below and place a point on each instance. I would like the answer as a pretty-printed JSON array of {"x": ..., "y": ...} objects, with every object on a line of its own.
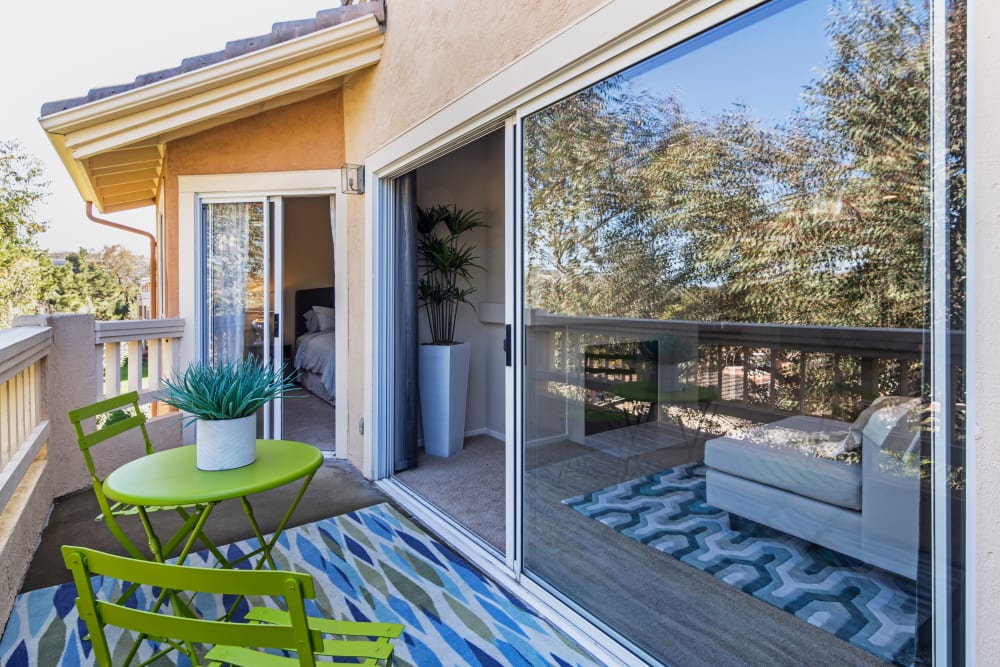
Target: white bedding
[{"x": 314, "y": 352}]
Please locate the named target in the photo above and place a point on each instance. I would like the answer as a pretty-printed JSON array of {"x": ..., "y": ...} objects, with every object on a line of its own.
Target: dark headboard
[{"x": 306, "y": 299}]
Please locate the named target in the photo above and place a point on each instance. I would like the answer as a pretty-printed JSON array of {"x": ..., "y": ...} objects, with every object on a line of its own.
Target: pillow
[
  {"x": 858, "y": 427},
  {"x": 325, "y": 317},
  {"x": 312, "y": 324},
  {"x": 897, "y": 419}
]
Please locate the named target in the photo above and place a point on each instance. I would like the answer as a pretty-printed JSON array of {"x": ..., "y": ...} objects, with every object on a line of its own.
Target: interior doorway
[
  {"x": 308, "y": 331},
  {"x": 268, "y": 292},
  {"x": 470, "y": 486}
]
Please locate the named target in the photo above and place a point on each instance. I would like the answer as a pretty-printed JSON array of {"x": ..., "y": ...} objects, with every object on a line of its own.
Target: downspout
[{"x": 153, "y": 310}]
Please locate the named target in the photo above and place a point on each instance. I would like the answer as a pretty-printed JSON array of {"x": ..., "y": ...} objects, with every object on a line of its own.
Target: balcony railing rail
[
  {"x": 824, "y": 370},
  {"x": 24, "y": 420},
  {"x": 148, "y": 348}
]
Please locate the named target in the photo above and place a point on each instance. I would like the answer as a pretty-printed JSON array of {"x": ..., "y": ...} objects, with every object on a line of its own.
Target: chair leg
[{"x": 202, "y": 536}]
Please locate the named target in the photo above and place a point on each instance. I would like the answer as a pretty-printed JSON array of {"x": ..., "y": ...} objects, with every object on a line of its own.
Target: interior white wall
[
  {"x": 308, "y": 252},
  {"x": 472, "y": 178}
]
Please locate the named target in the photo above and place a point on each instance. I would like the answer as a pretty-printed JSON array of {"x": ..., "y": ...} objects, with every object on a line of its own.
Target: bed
[{"x": 315, "y": 341}]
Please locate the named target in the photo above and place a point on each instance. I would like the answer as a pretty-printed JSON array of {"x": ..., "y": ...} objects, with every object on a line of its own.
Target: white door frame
[
  {"x": 616, "y": 35},
  {"x": 190, "y": 190}
]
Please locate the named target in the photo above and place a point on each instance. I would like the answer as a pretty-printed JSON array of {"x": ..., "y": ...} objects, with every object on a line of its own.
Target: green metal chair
[
  {"x": 116, "y": 422},
  {"x": 231, "y": 643}
]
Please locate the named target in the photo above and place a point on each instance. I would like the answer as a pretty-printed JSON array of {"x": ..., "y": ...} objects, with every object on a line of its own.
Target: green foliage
[
  {"x": 446, "y": 264},
  {"x": 228, "y": 390},
  {"x": 22, "y": 187},
  {"x": 107, "y": 285},
  {"x": 638, "y": 207}
]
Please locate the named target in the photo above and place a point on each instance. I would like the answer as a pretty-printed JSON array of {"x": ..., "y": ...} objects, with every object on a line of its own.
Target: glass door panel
[
  {"x": 730, "y": 414},
  {"x": 237, "y": 276}
]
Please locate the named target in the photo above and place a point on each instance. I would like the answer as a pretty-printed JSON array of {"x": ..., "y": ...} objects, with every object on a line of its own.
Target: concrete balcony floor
[
  {"x": 367, "y": 559},
  {"x": 337, "y": 488}
]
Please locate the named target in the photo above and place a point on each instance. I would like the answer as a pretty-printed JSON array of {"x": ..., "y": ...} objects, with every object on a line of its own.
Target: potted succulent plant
[
  {"x": 446, "y": 265},
  {"x": 224, "y": 400}
]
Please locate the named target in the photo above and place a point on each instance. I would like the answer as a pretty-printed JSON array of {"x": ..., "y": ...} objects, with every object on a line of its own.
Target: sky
[
  {"x": 55, "y": 50},
  {"x": 748, "y": 60}
]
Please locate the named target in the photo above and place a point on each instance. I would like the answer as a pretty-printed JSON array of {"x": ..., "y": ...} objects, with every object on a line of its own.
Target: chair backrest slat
[
  {"x": 106, "y": 405},
  {"x": 111, "y": 430},
  {"x": 204, "y": 579},
  {"x": 200, "y": 630},
  {"x": 292, "y": 586}
]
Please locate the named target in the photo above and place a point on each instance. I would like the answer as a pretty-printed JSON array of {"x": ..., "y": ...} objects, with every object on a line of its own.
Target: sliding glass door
[
  {"x": 241, "y": 273},
  {"x": 743, "y": 401}
]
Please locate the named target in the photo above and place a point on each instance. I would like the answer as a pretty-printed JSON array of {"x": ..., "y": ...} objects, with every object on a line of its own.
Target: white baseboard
[{"x": 547, "y": 440}]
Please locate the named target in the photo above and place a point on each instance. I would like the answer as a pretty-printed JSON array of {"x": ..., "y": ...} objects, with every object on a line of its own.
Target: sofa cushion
[{"x": 796, "y": 454}]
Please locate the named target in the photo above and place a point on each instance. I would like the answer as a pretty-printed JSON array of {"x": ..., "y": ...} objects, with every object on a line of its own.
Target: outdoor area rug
[
  {"x": 372, "y": 564},
  {"x": 872, "y": 609}
]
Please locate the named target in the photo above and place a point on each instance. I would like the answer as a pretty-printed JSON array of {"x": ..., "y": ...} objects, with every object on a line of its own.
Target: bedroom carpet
[
  {"x": 469, "y": 486},
  {"x": 868, "y": 607},
  {"x": 369, "y": 564},
  {"x": 309, "y": 419}
]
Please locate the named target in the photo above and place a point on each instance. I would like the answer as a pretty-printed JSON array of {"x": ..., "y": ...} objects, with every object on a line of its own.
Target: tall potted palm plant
[{"x": 446, "y": 264}]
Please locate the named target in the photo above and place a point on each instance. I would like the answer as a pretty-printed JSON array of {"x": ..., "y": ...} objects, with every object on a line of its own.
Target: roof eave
[{"x": 192, "y": 101}]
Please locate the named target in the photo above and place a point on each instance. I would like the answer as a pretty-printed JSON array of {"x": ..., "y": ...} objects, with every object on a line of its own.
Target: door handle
[
  {"x": 507, "y": 345},
  {"x": 275, "y": 330}
]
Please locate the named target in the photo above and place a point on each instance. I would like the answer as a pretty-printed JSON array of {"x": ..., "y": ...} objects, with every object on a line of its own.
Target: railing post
[
  {"x": 112, "y": 369},
  {"x": 134, "y": 365},
  {"x": 869, "y": 379}
]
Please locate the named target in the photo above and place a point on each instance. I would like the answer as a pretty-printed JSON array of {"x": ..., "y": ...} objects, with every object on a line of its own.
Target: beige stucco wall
[
  {"x": 984, "y": 242},
  {"x": 297, "y": 137},
  {"x": 21, "y": 524},
  {"x": 70, "y": 381},
  {"x": 433, "y": 53}
]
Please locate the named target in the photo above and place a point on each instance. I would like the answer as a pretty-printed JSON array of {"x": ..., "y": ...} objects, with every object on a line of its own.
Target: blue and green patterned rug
[
  {"x": 873, "y": 609},
  {"x": 372, "y": 564}
]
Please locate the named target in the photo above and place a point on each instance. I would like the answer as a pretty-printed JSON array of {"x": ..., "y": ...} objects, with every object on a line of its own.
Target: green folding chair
[
  {"x": 230, "y": 643},
  {"x": 118, "y": 421}
]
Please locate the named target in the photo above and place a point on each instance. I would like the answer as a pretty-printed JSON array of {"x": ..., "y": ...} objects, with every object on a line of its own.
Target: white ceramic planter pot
[
  {"x": 444, "y": 382},
  {"x": 225, "y": 444}
]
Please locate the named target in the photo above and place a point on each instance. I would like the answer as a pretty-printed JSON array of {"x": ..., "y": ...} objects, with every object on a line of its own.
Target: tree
[
  {"x": 22, "y": 186},
  {"x": 638, "y": 207},
  {"x": 107, "y": 285}
]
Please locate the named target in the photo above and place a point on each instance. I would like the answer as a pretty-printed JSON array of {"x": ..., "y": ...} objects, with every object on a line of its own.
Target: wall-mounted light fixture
[{"x": 352, "y": 178}]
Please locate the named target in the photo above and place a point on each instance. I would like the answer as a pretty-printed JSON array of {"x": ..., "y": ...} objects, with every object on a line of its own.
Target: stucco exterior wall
[
  {"x": 21, "y": 525},
  {"x": 302, "y": 136},
  {"x": 71, "y": 382},
  {"x": 984, "y": 316},
  {"x": 422, "y": 70}
]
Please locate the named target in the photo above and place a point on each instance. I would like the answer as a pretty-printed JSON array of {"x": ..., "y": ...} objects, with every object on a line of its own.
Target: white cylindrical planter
[
  {"x": 225, "y": 444},
  {"x": 444, "y": 383}
]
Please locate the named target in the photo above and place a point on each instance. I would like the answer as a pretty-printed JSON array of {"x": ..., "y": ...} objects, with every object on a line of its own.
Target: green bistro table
[{"x": 170, "y": 477}]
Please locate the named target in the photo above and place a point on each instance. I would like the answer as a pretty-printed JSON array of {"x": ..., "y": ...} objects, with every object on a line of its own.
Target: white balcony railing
[
  {"x": 148, "y": 347},
  {"x": 24, "y": 423}
]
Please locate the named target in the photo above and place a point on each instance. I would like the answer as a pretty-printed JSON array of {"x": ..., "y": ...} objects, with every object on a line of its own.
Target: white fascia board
[
  {"x": 170, "y": 118},
  {"x": 76, "y": 170},
  {"x": 222, "y": 99},
  {"x": 191, "y": 83},
  {"x": 188, "y": 102}
]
